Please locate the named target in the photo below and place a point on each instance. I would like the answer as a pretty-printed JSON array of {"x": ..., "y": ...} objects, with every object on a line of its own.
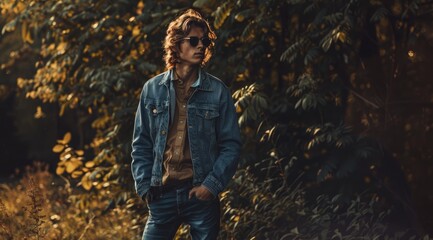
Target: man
[{"x": 186, "y": 140}]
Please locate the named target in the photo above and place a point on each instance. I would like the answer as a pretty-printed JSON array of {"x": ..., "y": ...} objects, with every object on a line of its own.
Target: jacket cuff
[
  {"x": 213, "y": 185},
  {"x": 142, "y": 189}
]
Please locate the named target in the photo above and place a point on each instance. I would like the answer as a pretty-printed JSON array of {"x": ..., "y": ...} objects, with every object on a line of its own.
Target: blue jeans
[{"x": 171, "y": 209}]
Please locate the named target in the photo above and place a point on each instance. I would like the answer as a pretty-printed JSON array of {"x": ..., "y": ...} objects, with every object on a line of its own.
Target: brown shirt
[{"x": 177, "y": 157}]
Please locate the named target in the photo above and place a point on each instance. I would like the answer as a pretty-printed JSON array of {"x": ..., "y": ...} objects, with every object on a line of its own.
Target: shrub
[
  {"x": 273, "y": 209},
  {"x": 41, "y": 206}
]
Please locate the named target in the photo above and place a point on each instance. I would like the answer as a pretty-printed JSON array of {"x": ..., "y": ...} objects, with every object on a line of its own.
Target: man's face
[{"x": 192, "y": 55}]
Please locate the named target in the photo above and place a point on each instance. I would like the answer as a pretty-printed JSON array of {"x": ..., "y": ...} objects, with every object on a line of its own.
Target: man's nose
[{"x": 200, "y": 44}]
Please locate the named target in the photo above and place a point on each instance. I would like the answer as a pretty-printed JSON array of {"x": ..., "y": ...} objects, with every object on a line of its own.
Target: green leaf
[
  {"x": 379, "y": 14},
  {"x": 334, "y": 18},
  {"x": 311, "y": 55},
  {"x": 326, "y": 43},
  {"x": 290, "y": 51}
]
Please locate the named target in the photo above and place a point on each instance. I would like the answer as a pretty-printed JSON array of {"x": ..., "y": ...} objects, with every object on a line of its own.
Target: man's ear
[{"x": 177, "y": 48}]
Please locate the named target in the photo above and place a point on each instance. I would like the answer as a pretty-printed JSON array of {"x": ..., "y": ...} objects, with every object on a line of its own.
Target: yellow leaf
[
  {"x": 66, "y": 156},
  {"x": 239, "y": 17},
  {"x": 310, "y": 145},
  {"x": 39, "y": 113},
  {"x": 58, "y": 148},
  {"x": 76, "y": 174},
  {"x": 85, "y": 181},
  {"x": 341, "y": 36},
  {"x": 60, "y": 170},
  {"x": 55, "y": 217},
  {"x": 28, "y": 37},
  {"x": 25, "y": 33},
  {"x": 238, "y": 108},
  {"x": 62, "y": 109},
  {"x": 235, "y": 218},
  {"x": 61, "y": 48},
  {"x": 72, "y": 165},
  {"x": 135, "y": 31},
  {"x": 67, "y": 137},
  {"x": 90, "y": 164},
  {"x": 79, "y": 152}
]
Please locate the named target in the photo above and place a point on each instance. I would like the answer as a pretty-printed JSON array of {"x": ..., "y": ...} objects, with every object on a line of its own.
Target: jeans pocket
[
  {"x": 148, "y": 198},
  {"x": 194, "y": 197},
  {"x": 152, "y": 195},
  {"x": 163, "y": 208}
]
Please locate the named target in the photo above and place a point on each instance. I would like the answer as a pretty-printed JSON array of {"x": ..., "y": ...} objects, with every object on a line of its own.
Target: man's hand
[{"x": 201, "y": 192}]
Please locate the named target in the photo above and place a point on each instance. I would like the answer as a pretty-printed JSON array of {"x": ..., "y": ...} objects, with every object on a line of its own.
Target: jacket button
[{"x": 163, "y": 132}]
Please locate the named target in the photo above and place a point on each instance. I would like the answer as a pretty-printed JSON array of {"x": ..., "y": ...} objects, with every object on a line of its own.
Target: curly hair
[{"x": 179, "y": 29}]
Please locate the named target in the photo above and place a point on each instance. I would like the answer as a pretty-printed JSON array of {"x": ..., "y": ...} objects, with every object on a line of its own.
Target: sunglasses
[{"x": 193, "y": 41}]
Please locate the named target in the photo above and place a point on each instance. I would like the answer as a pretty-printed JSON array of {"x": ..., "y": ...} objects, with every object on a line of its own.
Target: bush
[
  {"x": 41, "y": 206},
  {"x": 273, "y": 209}
]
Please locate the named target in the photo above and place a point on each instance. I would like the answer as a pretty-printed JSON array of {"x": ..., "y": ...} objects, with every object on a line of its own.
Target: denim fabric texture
[
  {"x": 170, "y": 209},
  {"x": 213, "y": 132}
]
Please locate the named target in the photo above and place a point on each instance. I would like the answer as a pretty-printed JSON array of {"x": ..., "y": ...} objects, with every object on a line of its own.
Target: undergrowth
[{"x": 41, "y": 206}]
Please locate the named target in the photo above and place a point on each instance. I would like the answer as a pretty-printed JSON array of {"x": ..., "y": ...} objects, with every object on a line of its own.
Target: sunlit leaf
[
  {"x": 86, "y": 182},
  {"x": 67, "y": 138},
  {"x": 76, "y": 174},
  {"x": 55, "y": 217},
  {"x": 90, "y": 164},
  {"x": 60, "y": 170},
  {"x": 221, "y": 13},
  {"x": 39, "y": 113},
  {"x": 58, "y": 148},
  {"x": 72, "y": 165},
  {"x": 326, "y": 43},
  {"x": 25, "y": 33},
  {"x": 10, "y": 26},
  {"x": 79, "y": 152}
]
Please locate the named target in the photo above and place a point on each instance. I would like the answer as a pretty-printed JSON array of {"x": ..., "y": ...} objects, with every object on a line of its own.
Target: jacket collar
[{"x": 202, "y": 83}]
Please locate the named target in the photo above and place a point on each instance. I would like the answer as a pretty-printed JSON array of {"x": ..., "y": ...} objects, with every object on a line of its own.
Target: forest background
[{"x": 334, "y": 100}]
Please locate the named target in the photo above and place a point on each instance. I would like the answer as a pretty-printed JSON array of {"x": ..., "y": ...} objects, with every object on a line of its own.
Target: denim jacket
[{"x": 213, "y": 132}]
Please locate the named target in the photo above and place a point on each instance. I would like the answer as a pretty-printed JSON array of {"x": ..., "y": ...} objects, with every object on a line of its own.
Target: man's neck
[{"x": 187, "y": 73}]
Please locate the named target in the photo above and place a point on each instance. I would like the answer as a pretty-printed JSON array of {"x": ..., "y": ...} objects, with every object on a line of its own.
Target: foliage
[
  {"x": 260, "y": 210},
  {"x": 295, "y": 66},
  {"x": 40, "y": 206}
]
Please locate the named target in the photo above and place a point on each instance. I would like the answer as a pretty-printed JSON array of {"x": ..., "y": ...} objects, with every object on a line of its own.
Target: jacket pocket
[
  {"x": 156, "y": 115},
  {"x": 207, "y": 119},
  {"x": 154, "y": 109}
]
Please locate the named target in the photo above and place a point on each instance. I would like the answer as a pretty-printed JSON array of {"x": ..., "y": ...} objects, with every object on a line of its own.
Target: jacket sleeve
[
  {"x": 142, "y": 149},
  {"x": 229, "y": 145}
]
